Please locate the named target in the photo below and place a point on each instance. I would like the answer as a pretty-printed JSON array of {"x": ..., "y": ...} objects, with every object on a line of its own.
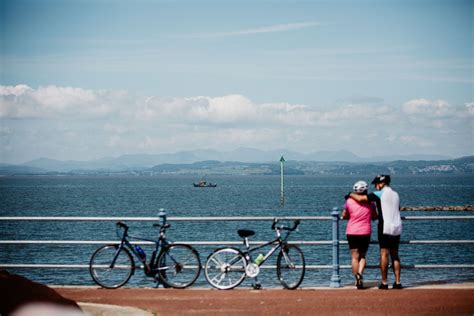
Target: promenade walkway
[{"x": 426, "y": 300}]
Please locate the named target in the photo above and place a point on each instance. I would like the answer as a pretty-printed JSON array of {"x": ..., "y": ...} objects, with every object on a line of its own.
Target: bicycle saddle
[{"x": 245, "y": 233}]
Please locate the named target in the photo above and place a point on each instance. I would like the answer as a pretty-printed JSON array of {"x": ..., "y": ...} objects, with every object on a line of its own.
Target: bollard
[
  {"x": 162, "y": 216},
  {"x": 335, "y": 278}
]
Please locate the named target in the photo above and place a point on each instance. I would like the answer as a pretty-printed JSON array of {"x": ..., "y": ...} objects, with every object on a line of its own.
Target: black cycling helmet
[{"x": 381, "y": 178}]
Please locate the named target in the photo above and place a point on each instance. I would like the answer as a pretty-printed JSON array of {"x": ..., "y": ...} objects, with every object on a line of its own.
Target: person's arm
[
  {"x": 359, "y": 197},
  {"x": 345, "y": 212},
  {"x": 375, "y": 215}
]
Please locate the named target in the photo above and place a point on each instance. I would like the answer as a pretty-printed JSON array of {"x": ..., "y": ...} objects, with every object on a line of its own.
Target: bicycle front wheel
[
  {"x": 111, "y": 267},
  {"x": 225, "y": 268},
  {"x": 290, "y": 266},
  {"x": 179, "y": 266}
]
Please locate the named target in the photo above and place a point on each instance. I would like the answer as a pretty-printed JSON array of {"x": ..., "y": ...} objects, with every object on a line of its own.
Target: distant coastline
[
  {"x": 439, "y": 208},
  {"x": 139, "y": 166}
]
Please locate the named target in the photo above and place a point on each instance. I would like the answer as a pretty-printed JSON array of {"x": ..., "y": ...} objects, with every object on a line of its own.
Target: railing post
[
  {"x": 335, "y": 278},
  {"x": 162, "y": 216}
]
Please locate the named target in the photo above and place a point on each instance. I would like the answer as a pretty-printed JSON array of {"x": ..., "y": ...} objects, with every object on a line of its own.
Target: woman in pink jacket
[{"x": 358, "y": 230}]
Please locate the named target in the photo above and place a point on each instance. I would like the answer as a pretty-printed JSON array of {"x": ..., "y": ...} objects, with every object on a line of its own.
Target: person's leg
[
  {"x": 396, "y": 264},
  {"x": 362, "y": 262},
  {"x": 356, "y": 264},
  {"x": 355, "y": 261},
  {"x": 363, "y": 248},
  {"x": 384, "y": 254}
]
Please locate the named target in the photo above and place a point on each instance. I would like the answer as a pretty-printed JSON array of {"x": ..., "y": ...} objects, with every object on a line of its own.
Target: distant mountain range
[{"x": 245, "y": 161}]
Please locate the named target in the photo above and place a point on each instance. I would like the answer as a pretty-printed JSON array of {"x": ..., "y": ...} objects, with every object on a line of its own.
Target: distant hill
[
  {"x": 463, "y": 165},
  {"x": 11, "y": 170},
  {"x": 244, "y": 161},
  {"x": 143, "y": 161},
  {"x": 408, "y": 158},
  {"x": 227, "y": 168}
]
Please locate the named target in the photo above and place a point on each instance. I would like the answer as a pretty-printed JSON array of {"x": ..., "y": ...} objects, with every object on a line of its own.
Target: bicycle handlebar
[
  {"x": 122, "y": 225},
  {"x": 125, "y": 226},
  {"x": 282, "y": 227},
  {"x": 162, "y": 226}
]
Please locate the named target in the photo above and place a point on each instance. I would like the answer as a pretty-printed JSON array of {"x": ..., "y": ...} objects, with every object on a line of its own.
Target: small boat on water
[{"x": 204, "y": 184}]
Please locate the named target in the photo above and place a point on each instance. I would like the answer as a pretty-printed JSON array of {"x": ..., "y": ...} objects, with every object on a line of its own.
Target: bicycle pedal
[{"x": 257, "y": 286}]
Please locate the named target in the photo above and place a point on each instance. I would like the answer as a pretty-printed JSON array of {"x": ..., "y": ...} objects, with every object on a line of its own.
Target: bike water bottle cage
[{"x": 244, "y": 233}]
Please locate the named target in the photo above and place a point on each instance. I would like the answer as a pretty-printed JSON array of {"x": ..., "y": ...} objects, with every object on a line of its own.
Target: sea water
[{"x": 129, "y": 196}]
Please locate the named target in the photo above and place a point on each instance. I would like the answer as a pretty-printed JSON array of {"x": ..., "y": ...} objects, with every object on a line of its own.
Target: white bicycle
[{"x": 227, "y": 267}]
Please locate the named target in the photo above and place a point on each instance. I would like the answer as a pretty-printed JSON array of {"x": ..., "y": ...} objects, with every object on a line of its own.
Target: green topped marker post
[{"x": 282, "y": 196}]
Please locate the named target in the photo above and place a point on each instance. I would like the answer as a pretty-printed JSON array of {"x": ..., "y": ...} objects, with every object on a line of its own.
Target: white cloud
[
  {"x": 230, "y": 109},
  {"x": 73, "y": 123},
  {"x": 14, "y": 90},
  {"x": 437, "y": 108},
  {"x": 261, "y": 30},
  {"x": 22, "y": 101},
  {"x": 470, "y": 108},
  {"x": 438, "y": 114},
  {"x": 222, "y": 110}
]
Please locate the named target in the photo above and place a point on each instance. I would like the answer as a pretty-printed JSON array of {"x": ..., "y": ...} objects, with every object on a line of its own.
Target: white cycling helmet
[{"x": 360, "y": 187}]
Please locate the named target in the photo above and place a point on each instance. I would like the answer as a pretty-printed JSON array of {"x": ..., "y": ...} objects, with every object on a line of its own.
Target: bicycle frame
[
  {"x": 171, "y": 264},
  {"x": 278, "y": 242},
  {"x": 227, "y": 267},
  {"x": 150, "y": 269}
]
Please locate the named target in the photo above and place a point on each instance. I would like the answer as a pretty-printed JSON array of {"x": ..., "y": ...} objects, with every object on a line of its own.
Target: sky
[{"x": 82, "y": 80}]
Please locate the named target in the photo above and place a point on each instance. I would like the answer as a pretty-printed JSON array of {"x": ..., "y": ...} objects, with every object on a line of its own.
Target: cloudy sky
[{"x": 87, "y": 79}]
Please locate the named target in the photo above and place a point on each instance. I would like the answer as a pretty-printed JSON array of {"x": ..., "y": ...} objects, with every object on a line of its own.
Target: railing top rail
[
  {"x": 447, "y": 217},
  {"x": 171, "y": 218},
  {"x": 116, "y": 242},
  {"x": 219, "y": 242},
  {"x": 207, "y": 218}
]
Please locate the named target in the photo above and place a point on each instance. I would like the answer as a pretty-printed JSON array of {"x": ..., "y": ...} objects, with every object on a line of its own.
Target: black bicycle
[
  {"x": 227, "y": 267},
  {"x": 173, "y": 265}
]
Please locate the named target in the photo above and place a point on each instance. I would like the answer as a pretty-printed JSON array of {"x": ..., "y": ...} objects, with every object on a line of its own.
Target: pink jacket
[{"x": 360, "y": 217}]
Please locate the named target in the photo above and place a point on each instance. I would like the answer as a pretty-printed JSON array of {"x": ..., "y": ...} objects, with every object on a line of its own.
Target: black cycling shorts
[
  {"x": 389, "y": 241},
  {"x": 360, "y": 242}
]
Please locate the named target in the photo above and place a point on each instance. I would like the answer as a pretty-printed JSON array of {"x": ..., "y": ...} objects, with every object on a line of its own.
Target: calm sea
[{"x": 234, "y": 196}]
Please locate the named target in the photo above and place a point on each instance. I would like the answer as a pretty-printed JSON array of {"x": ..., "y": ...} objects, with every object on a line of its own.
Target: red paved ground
[{"x": 283, "y": 302}]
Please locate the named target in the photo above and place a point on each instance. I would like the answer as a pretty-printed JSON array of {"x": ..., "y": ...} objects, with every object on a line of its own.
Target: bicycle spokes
[
  {"x": 179, "y": 266},
  {"x": 288, "y": 261},
  {"x": 225, "y": 268},
  {"x": 111, "y": 266},
  {"x": 290, "y": 266}
]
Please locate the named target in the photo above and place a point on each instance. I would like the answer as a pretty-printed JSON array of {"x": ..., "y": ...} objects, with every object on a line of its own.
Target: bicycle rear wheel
[
  {"x": 108, "y": 273},
  {"x": 290, "y": 266},
  {"x": 225, "y": 268},
  {"x": 179, "y": 266}
]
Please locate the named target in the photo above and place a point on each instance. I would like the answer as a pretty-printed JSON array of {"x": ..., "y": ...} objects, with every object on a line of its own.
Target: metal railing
[{"x": 335, "y": 280}]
